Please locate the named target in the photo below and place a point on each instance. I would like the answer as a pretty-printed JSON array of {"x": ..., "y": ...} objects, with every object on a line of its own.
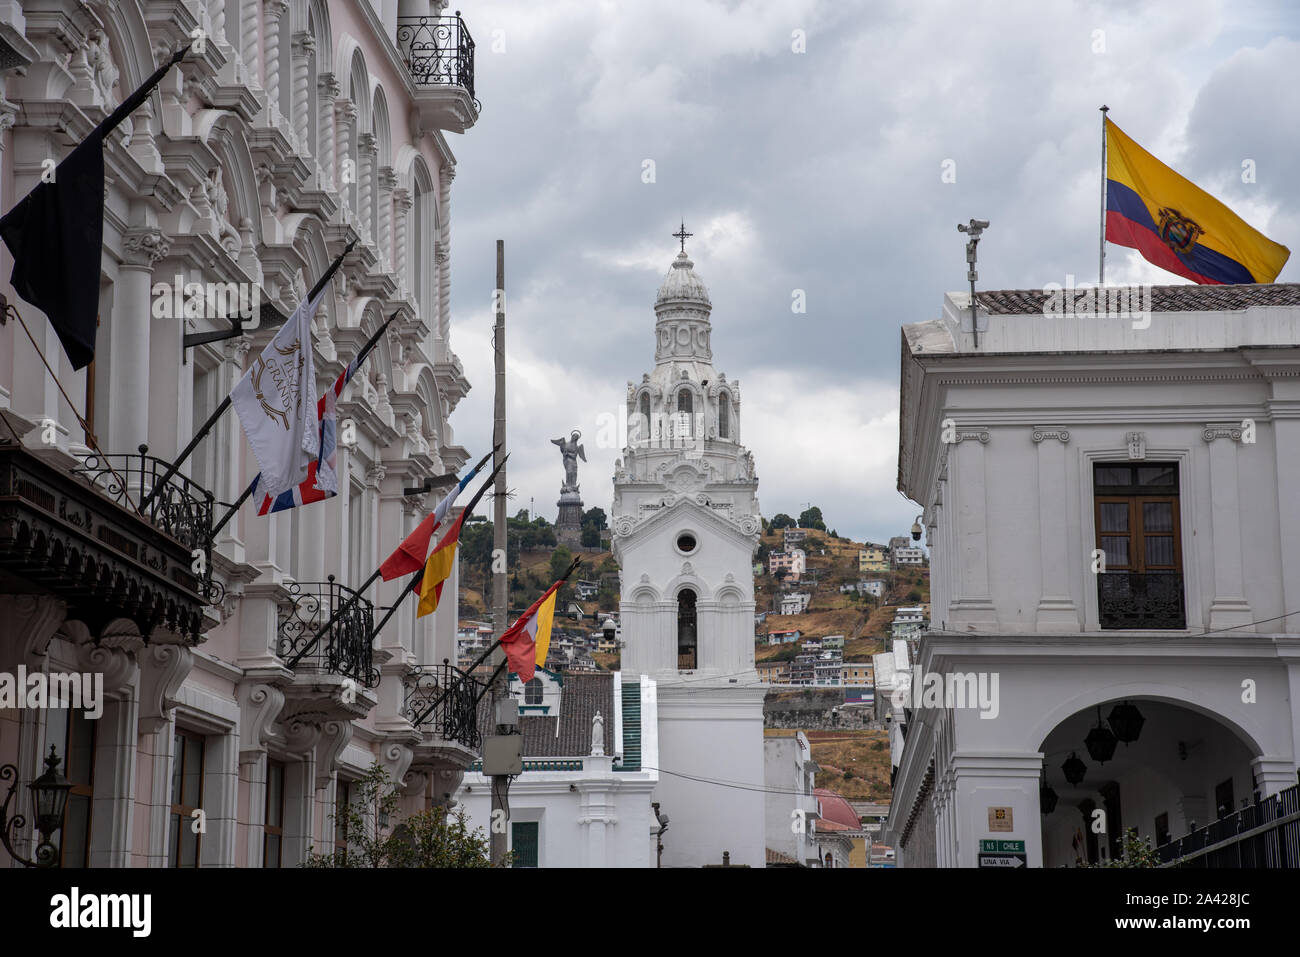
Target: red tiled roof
[{"x": 835, "y": 811}]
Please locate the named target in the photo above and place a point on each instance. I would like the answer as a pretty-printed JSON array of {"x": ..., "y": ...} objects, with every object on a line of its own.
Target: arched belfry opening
[{"x": 687, "y": 635}]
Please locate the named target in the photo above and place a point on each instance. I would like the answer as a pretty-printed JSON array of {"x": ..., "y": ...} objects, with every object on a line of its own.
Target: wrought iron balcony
[
  {"x": 439, "y": 54},
  {"x": 88, "y": 536},
  {"x": 1263, "y": 834},
  {"x": 345, "y": 648},
  {"x": 444, "y": 700},
  {"x": 1138, "y": 600}
]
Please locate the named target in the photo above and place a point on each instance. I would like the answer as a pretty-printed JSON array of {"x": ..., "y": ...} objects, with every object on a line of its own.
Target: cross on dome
[{"x": 683, "y": 235}]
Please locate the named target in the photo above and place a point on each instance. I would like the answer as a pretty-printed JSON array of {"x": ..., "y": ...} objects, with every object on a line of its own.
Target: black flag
[{"x": 56, "y": 231}]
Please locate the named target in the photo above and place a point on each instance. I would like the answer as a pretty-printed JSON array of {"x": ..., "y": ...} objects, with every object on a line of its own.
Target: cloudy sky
[{"x": 819, "y": 171}]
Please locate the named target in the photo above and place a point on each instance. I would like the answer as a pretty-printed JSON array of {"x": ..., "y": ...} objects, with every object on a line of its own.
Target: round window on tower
[{"x": 686, "y": 543}]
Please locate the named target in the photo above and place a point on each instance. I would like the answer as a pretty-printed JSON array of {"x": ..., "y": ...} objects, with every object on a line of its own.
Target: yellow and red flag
[
  {"x": 441, "y": 561},
  {"x": 528, "y": 639}
]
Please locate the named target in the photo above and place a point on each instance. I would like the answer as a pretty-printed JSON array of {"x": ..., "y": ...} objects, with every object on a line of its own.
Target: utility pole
[{"x": 499, "y": 594}]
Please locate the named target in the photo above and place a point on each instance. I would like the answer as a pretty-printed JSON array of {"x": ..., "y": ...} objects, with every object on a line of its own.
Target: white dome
[{"x": 682, "y": 283}]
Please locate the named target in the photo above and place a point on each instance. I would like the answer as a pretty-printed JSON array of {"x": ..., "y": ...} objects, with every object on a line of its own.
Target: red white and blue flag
[{"x": 322, "y": 474}]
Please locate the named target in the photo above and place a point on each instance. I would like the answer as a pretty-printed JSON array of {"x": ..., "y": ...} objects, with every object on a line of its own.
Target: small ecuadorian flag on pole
[{"x": 1178, "y": 226}]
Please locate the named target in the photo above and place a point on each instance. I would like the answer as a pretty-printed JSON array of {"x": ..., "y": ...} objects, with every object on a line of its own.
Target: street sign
[
  {"x": 1002, "y": 847},
  {"x": 1003, "y": 860}
]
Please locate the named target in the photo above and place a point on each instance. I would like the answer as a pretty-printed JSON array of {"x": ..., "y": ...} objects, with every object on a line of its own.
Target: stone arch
[
  {"x": 314, "y": 16},
  {"x": 430, "y": 405},
  {"x": 381, "y": 126},
  {"x": 307, "y": 235},
  {"x": 643, "y": 593},
  {"x": 225, "y": 134},
  {"x": 729, "y": 595},
  {"x": 132, "y": 53},
  {"x": 1178, "y": 695}
]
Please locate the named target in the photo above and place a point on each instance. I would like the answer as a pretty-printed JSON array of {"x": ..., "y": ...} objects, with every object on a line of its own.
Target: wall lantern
[
  {"x": 1100, "y": 741},
  {"x": 50, "y": 797},
  {"x": 1126, "y": 721},
  {"x": 1047, "y": 797},
  {"x": 1074, "y": 769}
]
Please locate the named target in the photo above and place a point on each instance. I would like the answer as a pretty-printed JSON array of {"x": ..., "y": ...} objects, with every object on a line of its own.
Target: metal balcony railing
[
  {"x": 179, "y": 508},
  {"x": 438, "y": 51},
  {"x": 345, "y": 649},
  {"x": 1264, "y": 834},
  {"x": 1135, "y": 600},
  {"x": 444, "y": 700}
]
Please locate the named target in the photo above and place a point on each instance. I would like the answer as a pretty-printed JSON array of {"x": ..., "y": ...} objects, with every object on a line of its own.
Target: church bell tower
[{"x": 685, "y": 527}]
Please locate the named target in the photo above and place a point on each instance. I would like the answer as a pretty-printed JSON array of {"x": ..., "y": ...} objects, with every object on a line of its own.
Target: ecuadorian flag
[{"x": 1178, "y": 226}]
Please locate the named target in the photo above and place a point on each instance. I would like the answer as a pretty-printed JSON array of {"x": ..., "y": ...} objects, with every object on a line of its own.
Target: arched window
[
  {"x": 724, "y": 416},
  {"x": 644, "y": 424},
  {"x": 685, "y": 413},
  {"x": 687, "y": 651},
  {"x": 533, "y": 692}
]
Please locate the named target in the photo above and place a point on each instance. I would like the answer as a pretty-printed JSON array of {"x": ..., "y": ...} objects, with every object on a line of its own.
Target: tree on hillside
[
  {"x": 781, "y": 520},
  {"x": 596, "y": 516},
  {"x": 811, "y": 517},
  {"x": 560, "y": 559},
  {"x": 834, "y": 534}
]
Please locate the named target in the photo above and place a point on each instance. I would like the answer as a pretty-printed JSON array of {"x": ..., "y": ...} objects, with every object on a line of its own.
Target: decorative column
[
  {"x": 250, "y": 31},
  {"x": 327, "y": 91},
  {"x": 304, "y": 48},
  {"x": 1229, "y": 608},
  {"x": 217, "y": 21},
  {"x": 387, "y": 181},
  {"x": 446, "y": 174},
  {"x": 367, "y": 153},
  {"x": 971, "y": 609},
  {"x": 128, "y": 341},
  {"x": 274, "y": 10},
  {"x": 235, "y": 352},
  {"x": 401, "y": 209},
  {"x": 1056, "y": 609},
  {"x": 346, "y": 112}
]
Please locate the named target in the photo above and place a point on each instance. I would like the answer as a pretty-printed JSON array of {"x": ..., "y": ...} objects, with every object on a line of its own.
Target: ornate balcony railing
[
  {"x": 438, "y": 51},
  {"x": 83, "y": 535},
  {"x": 1135, "y": 600},
  {"x": 345, "y": 649},
  {"x": 444, "y": 699},
  {"x": 1264, "y": 834}
]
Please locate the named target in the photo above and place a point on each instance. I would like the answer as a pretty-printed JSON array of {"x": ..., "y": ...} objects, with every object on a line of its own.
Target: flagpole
[
  {"x": 225, "y": 403},
  {"x": 415, "y": 580},
  {"x": 423, "y": 715},
  {"x": 1101, "y": 258}
]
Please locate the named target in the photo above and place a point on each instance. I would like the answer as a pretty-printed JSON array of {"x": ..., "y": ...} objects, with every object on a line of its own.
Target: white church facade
[{"x": 685, "y": 527}]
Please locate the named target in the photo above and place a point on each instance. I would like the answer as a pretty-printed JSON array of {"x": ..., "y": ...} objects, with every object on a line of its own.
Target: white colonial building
[
  {"x": 686, "y": 524},
  {"x": 591, "y": 757},
  {"x": 1112, "y": 538},
  {"x": 301, "y": 126}
]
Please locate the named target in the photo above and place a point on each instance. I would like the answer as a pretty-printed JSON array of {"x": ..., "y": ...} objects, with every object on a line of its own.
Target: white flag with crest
[{"x": 276, "y": 404}]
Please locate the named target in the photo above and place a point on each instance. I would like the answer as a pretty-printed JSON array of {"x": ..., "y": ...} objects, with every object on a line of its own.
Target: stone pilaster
[{"x": 327, "y": 91}]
